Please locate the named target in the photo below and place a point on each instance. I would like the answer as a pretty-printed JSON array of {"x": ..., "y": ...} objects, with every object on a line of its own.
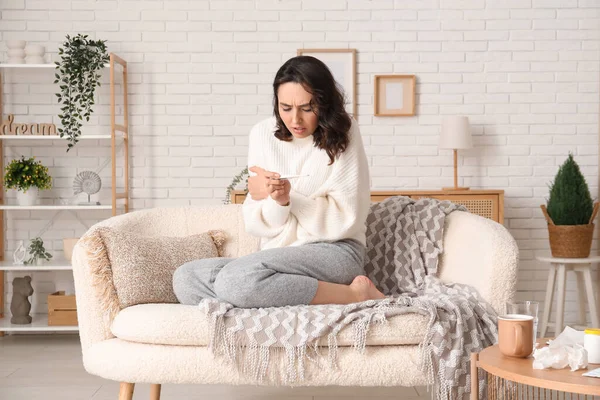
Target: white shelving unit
[
  {"x": 50, "y": 137},
  {"x": 118, "y": 132},
  {"x": 27, "y": 66},
  {"x": 53, "y": 207},
  {"x": 47, "y": 65},
  {"x": 39, "y": 323},
  {"x": 52, "y": 265}
]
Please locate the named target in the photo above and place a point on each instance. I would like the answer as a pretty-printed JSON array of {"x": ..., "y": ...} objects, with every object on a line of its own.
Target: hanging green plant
[
  {"x": 235, "y": 181},
  {"x": 78, "y": 77}
]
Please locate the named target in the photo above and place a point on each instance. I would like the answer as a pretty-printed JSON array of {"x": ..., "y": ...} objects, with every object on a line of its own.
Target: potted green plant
[
  {"x": 27, "y": 176},
  {"x": 78, "y": 77},
  {"x": 236, "y": 180},
  {"x": 569, "y": 212},
  {"x": 37, "y": 252}
]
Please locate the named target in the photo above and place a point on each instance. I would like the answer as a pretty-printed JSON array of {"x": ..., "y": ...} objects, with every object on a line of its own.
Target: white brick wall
[{"x": 526, "y": 72}]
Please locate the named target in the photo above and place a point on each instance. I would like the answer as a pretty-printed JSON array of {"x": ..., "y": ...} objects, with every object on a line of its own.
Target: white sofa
[{"x": 166, "y": 343}]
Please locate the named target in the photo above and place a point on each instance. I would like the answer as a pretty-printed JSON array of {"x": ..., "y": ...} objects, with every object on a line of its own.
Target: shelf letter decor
[{"x": 10, "y": 128}]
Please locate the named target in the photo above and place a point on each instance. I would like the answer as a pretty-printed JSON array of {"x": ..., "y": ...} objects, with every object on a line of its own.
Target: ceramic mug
[{"x": 515, "y": 335}]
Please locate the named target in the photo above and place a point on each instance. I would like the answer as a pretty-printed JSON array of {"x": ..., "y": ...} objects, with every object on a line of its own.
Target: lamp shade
[{"x": 456, "y": 133}]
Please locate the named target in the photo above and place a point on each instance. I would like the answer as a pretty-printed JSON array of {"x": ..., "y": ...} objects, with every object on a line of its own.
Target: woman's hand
[
  {"x": 279, "y": 190},
  {"x": 257, "y": 185}
]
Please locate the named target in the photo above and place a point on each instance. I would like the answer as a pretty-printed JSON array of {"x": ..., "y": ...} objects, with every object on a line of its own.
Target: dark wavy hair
[{"x": 327, "y": 102}]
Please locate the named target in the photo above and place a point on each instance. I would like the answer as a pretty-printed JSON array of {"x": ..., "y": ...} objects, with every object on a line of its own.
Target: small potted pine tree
[{"x": 569, "y": 212}]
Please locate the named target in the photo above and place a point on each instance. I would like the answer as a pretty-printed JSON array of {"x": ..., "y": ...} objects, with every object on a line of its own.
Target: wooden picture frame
[
  {"x": 394, "y": 95},
  {"x": 342, "y": 63}
]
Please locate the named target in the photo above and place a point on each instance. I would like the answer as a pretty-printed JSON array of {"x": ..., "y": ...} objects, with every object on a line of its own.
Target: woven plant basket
[{"x": 570, "y": 241}]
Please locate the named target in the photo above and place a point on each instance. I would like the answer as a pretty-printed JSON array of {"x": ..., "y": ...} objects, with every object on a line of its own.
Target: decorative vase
[
  {"x": 28, "y": 198},
  {"x": 16, "y": 51},
  {"x": 35, "y": 54},
  {"x": 19, "y": 254},
  {"x": 16, "y": 56},
  {"x": 570, "y": 241}
]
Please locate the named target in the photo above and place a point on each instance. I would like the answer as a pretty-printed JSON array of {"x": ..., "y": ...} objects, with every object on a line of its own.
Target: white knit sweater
[{"x": 331, "y": 204}]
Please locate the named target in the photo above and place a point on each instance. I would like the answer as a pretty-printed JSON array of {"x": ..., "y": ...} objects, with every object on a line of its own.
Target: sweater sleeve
[
  {"x": 340, "y": 211},
  {"x": 262, "y": 218}
]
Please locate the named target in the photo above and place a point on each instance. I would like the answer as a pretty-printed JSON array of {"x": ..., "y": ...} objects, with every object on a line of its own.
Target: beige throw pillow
[{"x": 142, "y": 266}]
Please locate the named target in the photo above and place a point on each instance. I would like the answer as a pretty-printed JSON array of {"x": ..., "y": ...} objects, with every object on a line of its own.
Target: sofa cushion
[
  {"x": 178, "y": 324},
  {"x": 143, "y": 266}
]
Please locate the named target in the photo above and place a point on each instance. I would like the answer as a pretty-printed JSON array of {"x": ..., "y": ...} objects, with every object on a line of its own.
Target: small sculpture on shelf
[
  {"x": 37, "y": 252},
  {"x": 87, "y": 182},
  {"x": 19, "y": 254},
  {"x": 20, "y": 305}
]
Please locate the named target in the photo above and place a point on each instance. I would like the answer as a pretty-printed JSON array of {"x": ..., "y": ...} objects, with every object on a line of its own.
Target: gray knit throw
[{"x": 404, "y": 241}]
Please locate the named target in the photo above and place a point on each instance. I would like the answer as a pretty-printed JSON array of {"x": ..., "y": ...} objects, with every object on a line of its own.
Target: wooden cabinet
[{"x": 487, "y": 203}]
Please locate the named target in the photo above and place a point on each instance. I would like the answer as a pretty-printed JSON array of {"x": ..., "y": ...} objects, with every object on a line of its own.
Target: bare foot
[{"x": 365, "y": 289}]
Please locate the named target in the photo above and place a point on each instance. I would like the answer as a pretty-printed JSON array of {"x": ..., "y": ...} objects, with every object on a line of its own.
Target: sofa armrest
[
  {"x": 96, "y": 296},
  {"x": 481, "y": 253},
  {"x": 97, "y": 300}
]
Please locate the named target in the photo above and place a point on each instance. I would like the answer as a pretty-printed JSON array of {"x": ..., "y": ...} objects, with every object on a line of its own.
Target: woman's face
[{"x": 295, "y": 109}]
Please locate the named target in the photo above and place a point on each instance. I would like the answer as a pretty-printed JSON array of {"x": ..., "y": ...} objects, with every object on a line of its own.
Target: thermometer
[{"x": 287, "y": 177}]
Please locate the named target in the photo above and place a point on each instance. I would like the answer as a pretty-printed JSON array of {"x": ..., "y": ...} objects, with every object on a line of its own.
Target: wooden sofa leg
[
  {"x": 155, "y": 391},
  {"x": 126, "y": 391}
]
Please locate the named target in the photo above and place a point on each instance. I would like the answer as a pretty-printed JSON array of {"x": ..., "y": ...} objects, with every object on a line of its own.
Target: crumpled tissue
[{"x": 565, "y": 349}]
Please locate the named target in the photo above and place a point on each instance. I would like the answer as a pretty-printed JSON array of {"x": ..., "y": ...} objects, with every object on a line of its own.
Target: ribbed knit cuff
[{"x": 274, "y": 214}]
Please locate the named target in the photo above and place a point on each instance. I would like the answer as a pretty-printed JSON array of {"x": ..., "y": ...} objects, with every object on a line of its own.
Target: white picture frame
[{"x": 342, "y": 63}]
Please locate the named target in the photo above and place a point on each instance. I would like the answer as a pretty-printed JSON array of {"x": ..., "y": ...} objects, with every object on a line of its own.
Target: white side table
[{"x": 583, "y": 269}]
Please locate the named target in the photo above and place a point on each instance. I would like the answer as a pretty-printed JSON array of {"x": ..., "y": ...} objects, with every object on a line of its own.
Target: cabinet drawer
[
  {"x": 377, "y": 198},
  {"x": 485, "y": 205}
]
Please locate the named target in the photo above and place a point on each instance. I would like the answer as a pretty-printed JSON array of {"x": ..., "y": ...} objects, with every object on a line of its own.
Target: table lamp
[{"x": 456, "y": 134}]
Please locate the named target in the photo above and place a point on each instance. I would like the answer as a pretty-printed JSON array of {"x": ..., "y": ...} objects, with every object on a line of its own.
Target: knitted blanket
[{"x": 404, "y": 241}]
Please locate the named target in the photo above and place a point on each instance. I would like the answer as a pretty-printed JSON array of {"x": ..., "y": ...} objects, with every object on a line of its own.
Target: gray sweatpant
[{"x": 272, "y": 277}]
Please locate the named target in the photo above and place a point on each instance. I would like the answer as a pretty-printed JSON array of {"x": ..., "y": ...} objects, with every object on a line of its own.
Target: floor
[{"x": 48, "y": 367}]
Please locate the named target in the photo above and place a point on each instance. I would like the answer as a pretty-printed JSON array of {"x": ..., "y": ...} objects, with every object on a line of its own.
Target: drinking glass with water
[{"x": 526, "y": 308}]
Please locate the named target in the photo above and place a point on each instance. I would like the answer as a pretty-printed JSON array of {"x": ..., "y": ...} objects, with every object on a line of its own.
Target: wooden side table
[
  {"x": 558, "y": 270},
  {"x": 515, "y": 378}
]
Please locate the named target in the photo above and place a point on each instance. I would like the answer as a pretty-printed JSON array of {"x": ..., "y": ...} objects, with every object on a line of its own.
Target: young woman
[{"x": 312, "y": 226}]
